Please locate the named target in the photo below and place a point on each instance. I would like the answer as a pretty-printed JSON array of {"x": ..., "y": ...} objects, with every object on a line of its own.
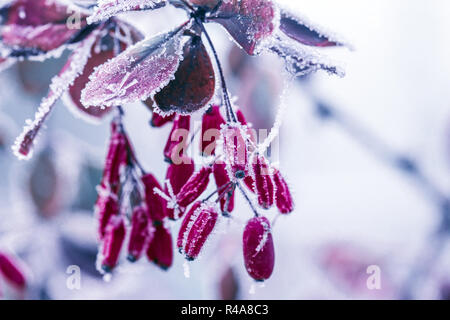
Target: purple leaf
[
  {"x": 194, "y": 83},
  {"x": 137, "y": 73},
  {"x": 101, "y": 52},
  {"x": 31, "y": 28},
  {"x": 303, "y": 32},
  {"x": 109, "y": 8},
  {"x": 249, "y": 22}
]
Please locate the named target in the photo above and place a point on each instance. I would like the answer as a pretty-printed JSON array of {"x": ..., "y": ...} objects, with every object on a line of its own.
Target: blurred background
[{"x": 367, "y": 158}]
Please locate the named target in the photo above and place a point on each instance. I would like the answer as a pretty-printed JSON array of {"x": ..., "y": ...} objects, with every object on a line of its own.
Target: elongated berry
[
  {"x": 184, "y": 225},
  {"x": 235, "y": 149},
  {"x": 251, "y": 133},
  {"x": 106, "y": 206},
  {"x": 11, "y": 271},
  {"x": 283, "y": 197},
  {"x": 211, "y": 124},
  {"x": 250, "y": 183},
  {"x": 140, "y": 234},
  {"x": 158, "y": 120},
  {"x": 160, "y": 250},
  {"x": 263, "y": 182},
  {"x": 112, "y": 243},
  {"x": 194, "y": 187},
  {"x": 178, "y": 139},
  {"x": 115, "y": 159},
  {"x": 199, "y": 229},
  {"x": 226, "y": 190},
  {"x": 259, "y": 253},
  {"x": 178, "y": 175},
  {"x": 155, "y": 204}
]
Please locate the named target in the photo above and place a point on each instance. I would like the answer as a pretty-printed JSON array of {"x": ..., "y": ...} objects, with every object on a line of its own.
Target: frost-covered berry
[
  {"x": 178, "y": 139},
  {"x": 194, "y": 187},
  {"x": 160, "y": 250},
  {"x": 226, "y": 190},
  {"x": 116, "y": 158},
  {"x": 259, "y": 253},
  {"x": 140, "y": 234},
  {"x": 11, "y": 271},
  {"x": 283, "y": 197},
  {"x": 112, "y": 243},
  {"x": 106, "y": 206},
  {"x": 235, "y": 149},
  {"x": 178, "y": 175},
  {"x": 212, "y": 122},
  {"x": 200, "y": 226},
  {"x": 155, "y": 204},
  {"x": 262, "y": 176},
  {"x": 184, "y": 225},
  {"x": 250, "y": 183},
  {"x": 158, "y": 120}
]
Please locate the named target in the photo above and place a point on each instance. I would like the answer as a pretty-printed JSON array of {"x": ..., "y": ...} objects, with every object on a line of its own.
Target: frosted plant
[{"x": 172, "y": 73}]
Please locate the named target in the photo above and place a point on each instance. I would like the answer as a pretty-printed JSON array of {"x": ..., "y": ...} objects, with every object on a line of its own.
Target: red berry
[
  {"x": 140, "y": 234},
  {"x": 263, "y": 182},
  {"x": 112, "y": 243},
  {"x": 200, "y": 227},
  {"x": 160, "y": 249},
  {"x": 178, "y": 139},
  {"x": 184, "y": 225},
  {"x": 178, "y": 175},
  {"x": 116, "y": 158},
  {"x": 211, "y": 124},
  {"x": 155, "y": 204},
  {"x": 158, "y": 120},
  {"x": 105, "y": 207},
  {"x": 11, "y": 271},
  {"x": 194, "y": 187},
  {"x": 283, "y": 196},
  {"x": 259, "y": 253},
  {"x": 235, "y": 150}
]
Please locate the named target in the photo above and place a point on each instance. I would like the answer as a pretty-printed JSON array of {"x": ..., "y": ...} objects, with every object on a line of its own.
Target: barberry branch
[{"x": 231, "y": 116}]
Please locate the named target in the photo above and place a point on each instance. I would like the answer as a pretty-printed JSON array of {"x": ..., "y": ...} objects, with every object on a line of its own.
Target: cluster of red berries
[{"x": 129, "y": 195}]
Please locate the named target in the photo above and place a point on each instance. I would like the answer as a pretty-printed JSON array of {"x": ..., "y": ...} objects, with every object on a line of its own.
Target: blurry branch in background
[{"x": 411, "y": 169}]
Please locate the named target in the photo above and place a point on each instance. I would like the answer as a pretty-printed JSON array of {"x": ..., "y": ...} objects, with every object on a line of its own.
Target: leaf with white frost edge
[
  {"x": 109, "y": 8},
  {"x": 137, "y": 73}
]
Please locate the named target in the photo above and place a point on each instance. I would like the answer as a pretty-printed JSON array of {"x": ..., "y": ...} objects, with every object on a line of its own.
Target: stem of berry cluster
[
  {"x": 248, "y": 199},
  {"x": 231, "y": 116},
  {"x": 219, "y": 190}
]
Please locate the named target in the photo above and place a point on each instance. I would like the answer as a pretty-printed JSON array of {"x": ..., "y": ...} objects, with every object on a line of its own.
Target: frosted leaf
[
  {"x": 101, "y": 52},
  {"x": 194, "y": 83},
  {"x": 137, "y": 73},
  {"x": 301, "y": 59},
  {"x": 23, "y": 145},
  {"x": 109, "y": 8},
  {"x": 303, "y": 31},
  {"x": 31, "y": 28},
  {"x": 249, "y": 22}
]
